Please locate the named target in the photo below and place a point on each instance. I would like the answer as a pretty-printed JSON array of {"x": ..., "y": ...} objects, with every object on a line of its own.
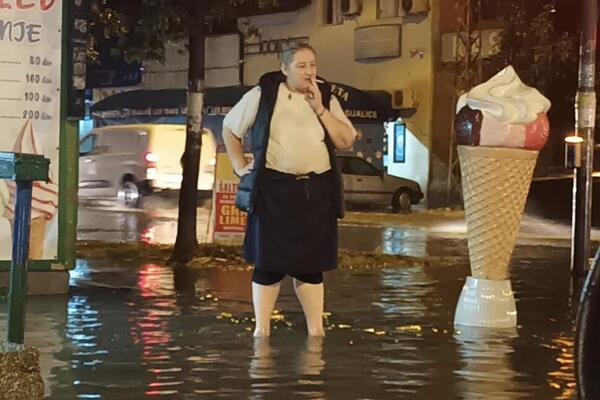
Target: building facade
[{"x": 383, "y": 45}]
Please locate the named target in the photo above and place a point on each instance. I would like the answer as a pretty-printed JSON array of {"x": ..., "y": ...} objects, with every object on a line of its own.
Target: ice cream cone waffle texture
[
  {"x": 37, "y": 234},
  {"x": 495, "y": 185}
]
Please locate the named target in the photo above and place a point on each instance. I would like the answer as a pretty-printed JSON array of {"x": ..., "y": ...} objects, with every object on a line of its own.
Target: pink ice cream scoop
[
  {"x": 503, "y": 112},
  {"x": 44, "y": 201}
]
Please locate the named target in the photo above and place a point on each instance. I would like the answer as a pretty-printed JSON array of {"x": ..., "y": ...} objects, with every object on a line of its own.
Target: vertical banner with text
[
  {"x": 229, "y": 222},
  {"x": 30, "y": 81}
]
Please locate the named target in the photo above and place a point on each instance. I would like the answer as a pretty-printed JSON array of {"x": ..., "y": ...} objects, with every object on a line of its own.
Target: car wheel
[
  {"x": 129, "y": 194},
  {"x": 401, "y": 200}
]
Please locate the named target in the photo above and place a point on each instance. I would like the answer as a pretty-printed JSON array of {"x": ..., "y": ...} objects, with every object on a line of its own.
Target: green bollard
[{"x": 24, "y": 169}]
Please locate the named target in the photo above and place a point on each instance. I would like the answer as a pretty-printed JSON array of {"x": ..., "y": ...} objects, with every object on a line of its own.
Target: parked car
[
  {"x": 128, "y": 161},
  {"x": 365, "y": 184}
]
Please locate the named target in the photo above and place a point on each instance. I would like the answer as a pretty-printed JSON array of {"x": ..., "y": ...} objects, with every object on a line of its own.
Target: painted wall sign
[
  {"x": 379, "y": 41},
  {"x": 267, "y": 46},
  {"x": 30, "y": 77}
]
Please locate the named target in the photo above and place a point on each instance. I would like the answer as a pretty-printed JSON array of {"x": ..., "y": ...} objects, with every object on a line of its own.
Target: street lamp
[{"x": 573, "y": 151}]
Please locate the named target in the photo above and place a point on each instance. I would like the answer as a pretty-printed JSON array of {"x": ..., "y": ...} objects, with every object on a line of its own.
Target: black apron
[{"x": 293, "y": 227}]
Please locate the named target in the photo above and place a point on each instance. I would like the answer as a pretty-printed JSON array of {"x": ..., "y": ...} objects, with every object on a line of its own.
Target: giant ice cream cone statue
[
  {"x": 44, "y": 201},
  {"x": 500, "y": 127}
]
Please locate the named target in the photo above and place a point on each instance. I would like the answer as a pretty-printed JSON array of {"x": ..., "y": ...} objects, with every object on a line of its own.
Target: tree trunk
[{"x": 187, "y": 242}]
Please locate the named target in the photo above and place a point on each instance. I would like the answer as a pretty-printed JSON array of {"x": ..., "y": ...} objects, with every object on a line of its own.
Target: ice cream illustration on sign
[
  {"x": 500, "y": 126},
  {"x": 44, "y": 202},
  {"x": 5, "y": 229}
]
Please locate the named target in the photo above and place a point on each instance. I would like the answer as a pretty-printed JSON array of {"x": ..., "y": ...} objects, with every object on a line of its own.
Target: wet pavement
[{"x": 186, "y": 334}]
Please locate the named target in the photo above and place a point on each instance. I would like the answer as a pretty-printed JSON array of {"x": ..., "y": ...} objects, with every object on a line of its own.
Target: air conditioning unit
[
  {"x": 414, "y": 7},
  {"x": 350, "y": 7}
]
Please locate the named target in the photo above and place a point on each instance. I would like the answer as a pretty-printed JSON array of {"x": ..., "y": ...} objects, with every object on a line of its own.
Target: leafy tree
[
  {"x": 140, "y": 28},
  {"x": 541, "y": 40},
  {"x": 543, "y": 51}
]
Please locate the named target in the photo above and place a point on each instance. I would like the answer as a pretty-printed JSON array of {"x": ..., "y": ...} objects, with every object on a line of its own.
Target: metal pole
[
  {"x": 18, "y": 272},
  {"x": 587, "y": 347},
  {"x": 585, "y": 115}
]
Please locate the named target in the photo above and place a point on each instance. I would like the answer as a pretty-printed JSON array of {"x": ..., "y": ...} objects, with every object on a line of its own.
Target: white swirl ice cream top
[
  {"x": 506, "y": 98},
  {"x": 502, "y": 112}
]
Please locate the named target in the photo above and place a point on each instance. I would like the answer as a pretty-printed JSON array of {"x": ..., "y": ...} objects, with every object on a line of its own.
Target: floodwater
[
  {"x": 142, "y": 331},
  {"x": 137, "y": 330},
  {"x": 364, "y": 231}
]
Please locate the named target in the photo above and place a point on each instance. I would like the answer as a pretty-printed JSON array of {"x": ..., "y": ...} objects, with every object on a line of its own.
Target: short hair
[{"x": 287, "y": 55}]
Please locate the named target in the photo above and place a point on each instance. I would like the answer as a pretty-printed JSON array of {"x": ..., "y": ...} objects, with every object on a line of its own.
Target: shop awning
[{"x": 360, "y": 106}]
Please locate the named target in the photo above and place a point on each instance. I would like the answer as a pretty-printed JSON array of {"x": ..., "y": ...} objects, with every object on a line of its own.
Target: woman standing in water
[{"x": 291, "y": 189}]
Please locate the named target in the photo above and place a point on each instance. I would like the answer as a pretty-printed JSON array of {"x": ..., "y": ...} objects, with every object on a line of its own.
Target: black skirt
[{"x": 293, "y": 227}]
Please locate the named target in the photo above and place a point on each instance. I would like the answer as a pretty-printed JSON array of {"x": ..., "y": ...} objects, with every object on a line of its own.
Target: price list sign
[{"x": 30, "y": 80}]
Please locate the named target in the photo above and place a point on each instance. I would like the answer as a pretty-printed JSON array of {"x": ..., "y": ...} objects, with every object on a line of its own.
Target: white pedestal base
[{"x": 486, "y": 303}]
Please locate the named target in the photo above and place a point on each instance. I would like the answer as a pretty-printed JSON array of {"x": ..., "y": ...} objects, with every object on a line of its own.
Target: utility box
[{"x": 23, "y": 167}]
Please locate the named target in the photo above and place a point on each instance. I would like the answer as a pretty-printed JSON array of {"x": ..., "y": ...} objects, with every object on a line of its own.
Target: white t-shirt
[{"x": 296, "y": 141}]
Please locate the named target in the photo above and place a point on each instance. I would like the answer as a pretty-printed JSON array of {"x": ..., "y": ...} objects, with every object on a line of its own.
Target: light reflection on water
[{"x": 128, "y": 332}]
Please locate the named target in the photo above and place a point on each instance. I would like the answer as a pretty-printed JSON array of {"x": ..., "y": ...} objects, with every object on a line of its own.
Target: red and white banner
[{"x": 229, "y": 223}]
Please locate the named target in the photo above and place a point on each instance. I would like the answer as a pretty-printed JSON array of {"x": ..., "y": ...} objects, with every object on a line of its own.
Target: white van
[{"x": 128, "y": 161}]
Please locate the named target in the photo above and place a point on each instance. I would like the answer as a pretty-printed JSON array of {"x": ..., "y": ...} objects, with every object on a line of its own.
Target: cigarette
[{"x": 319, "y": 81}]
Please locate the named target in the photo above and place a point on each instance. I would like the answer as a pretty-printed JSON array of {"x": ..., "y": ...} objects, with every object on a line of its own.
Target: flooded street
[{"x": 137, "y": 330}]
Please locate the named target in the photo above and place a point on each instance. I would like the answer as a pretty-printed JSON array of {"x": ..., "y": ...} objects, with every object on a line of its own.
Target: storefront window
[{"x": 399, "y": 142}]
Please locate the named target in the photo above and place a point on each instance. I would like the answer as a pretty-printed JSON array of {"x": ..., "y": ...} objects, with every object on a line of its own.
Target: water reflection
[
  {"x": 310, "y": 360},
  {"x": 485, "y": 364},
  {"x": 561, "y": 379},
  {"x": 261, "y": 365},
  {"x": 143, "y": 331},
  {"x": 403, "y": 241},
  {"x": 126, "y": 225}
]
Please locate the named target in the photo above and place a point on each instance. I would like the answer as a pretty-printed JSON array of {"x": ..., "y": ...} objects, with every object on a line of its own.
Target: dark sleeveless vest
[{"x": 259, "y": 139}]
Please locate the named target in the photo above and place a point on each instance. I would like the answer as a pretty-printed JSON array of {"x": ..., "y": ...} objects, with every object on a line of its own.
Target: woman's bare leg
[
  {"x": 264, "y": 298},
  {"x": 312, "y": 297}
]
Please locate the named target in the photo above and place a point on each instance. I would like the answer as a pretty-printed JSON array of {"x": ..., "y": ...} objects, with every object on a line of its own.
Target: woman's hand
[
  {"x": 314, "y": 97},
  {"x": 246, "y": 168}
]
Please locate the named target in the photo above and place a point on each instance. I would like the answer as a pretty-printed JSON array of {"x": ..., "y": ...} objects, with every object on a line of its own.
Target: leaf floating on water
[
  {"x": 327, "y": 314},
  {"x": 226, "y": 315},
  {"x": 344, "y": 326},
  {"x": 409, "y": 328},
  {"x": 209, "y": 296},
  {"x": 200, "y": 261},
  {"x": 380, "y": 333},
  {"x": 435, "y": 330},
  {"x": 369, "y": 330}
]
